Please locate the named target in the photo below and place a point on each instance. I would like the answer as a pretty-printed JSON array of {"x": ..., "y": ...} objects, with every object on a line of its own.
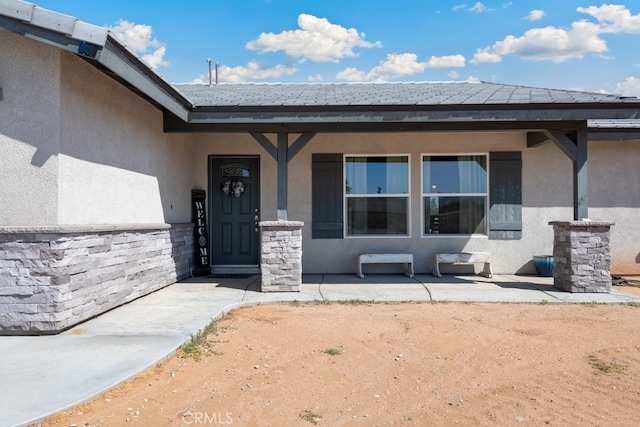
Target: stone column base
[
  {"x": 582, "y": 257},
  {"x": 281, "y": 261}
]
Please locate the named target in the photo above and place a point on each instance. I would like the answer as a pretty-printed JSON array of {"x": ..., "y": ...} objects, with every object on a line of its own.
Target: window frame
[
  {"x": 424, "y": 194},
  {"x": 346, "y": 196}
]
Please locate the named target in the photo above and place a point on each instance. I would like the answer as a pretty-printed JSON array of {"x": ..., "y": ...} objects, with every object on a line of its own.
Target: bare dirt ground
[{"x": 401, "y": 364}]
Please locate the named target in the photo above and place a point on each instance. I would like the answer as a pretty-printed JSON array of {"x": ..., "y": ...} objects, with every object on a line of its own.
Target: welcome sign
[{"x": 201, "y": 236}]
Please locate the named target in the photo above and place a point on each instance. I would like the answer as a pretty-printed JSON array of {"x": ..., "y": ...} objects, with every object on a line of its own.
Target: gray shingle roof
[{"x": 385, "y": 94}]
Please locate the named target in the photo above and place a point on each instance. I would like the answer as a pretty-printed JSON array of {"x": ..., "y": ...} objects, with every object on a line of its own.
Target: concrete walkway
[{"x": 40, "y": 376}]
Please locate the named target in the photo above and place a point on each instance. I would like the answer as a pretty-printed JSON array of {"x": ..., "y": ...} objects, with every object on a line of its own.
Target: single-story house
[{"x": 115, "y": 183}]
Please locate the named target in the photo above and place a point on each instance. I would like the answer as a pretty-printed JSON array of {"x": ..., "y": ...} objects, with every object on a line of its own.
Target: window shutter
[
  {"x": 326, "y": 196},
  {"x": 505, "y": 195}
]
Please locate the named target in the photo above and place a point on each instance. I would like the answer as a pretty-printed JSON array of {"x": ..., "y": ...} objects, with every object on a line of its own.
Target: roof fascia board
[
  {"x": 127, "y": 66},
  {"x": 173, "y": 124},
  {"x": 418, "y": 115},
  {"x": 606, "y": 135},
  {"x": 40, "y": 34}
]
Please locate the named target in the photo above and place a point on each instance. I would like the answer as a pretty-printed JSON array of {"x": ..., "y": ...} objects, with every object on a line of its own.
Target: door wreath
[{"x": 232, "y": 188}]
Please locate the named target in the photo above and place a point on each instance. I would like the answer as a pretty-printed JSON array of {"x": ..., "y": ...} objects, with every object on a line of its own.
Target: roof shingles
[{"x": 383, "y": 94}]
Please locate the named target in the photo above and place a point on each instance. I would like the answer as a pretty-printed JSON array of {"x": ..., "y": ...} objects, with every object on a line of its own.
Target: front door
[{"x": 235, "y": 211}]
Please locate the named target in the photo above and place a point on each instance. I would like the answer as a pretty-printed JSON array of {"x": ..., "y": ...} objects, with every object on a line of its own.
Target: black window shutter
[
  {"x": 505, "y": 195},
  {"x": 326, "y": 196}
]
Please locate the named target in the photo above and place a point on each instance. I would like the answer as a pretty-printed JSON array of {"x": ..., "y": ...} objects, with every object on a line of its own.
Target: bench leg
[
  {"x": 435, "y": 268},
  {"x": 486, "y": 272},
  {"x": 360, "y": 275},
  {"x": 409, "y": 270}
]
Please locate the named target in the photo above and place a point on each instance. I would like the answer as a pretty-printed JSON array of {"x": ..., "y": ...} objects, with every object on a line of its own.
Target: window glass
[
  {"x": 377, "y": 175},
  {"x": 377, "y": 215},
  {"x": 454, "y": 174},
  {"x": 454, "y": 215},
  {"x": 377, "y": 195},
  {"x": 454, "y": 194}
]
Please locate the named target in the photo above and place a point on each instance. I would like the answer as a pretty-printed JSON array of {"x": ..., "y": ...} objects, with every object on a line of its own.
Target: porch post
[
  {"x": 581, "y": 256},
  {"x": 283, "y": 172},
  {"x": 580, "y": 181}
]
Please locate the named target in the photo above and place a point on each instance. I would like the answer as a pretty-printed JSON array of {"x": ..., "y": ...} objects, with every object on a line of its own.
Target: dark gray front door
[{"x": 235, "y": 210}]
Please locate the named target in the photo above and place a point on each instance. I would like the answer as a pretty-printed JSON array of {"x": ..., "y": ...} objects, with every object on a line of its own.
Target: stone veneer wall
[
  {"x": 281, "y": 261},
  {"x": 52, "y": 278},
  {"x": 582, "y": 256}
]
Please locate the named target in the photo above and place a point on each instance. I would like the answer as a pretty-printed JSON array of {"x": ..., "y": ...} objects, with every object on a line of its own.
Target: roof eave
[{"x": 98, "y": 46}]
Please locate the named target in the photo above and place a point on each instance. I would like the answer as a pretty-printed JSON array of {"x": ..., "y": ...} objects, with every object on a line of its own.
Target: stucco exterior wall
[
  {"x": 614, "y": 195},
  {"x": 79, "y": 148},
  {"x": 29, "y": 131},
  {"x": 547, "y": 194},
  {"x": 116, "y": 164},
  {"x": 541, "y": 201}
]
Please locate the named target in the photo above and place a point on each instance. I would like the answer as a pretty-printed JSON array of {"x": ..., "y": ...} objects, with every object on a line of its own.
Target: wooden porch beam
[
  {"x": 299, "y": 144},
  {"x": 563, "y": 142},
  {"x": 580, "y": 181},
  {"x": 536, "y": 139},
  {"x": 283, "y": 173},
  {"x": 282, "y": 154},
  {"x": 266, "y": 144}
]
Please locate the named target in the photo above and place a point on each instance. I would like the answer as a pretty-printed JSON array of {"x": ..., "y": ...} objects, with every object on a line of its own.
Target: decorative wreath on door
[{"x": 232, "y": 188}]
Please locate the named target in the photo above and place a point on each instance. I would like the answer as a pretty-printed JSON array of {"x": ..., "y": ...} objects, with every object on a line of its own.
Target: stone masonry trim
[
  {"x": 281, "y": 256},
  {"x": 52, "y": 278},
  {"x": 582, "y": 256}
]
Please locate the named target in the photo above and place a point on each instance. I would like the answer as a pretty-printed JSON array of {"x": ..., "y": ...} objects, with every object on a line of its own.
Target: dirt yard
[{"x": 401, "y": 364}]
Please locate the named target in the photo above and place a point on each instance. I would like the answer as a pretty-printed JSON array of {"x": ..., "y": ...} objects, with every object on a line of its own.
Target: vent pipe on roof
[{"x": 211, "y": 73}]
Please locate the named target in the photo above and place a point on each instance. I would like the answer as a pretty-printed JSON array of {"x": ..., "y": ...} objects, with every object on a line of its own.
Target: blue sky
[{"x": 565, "y": 44}]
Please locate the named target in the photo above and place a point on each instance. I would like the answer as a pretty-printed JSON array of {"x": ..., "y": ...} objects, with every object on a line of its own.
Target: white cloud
[
  {"x": 549, "y": 43},
  {"x": 459, "y": 6},
  {"x": 478, "y": 7},
  {"x": 399, "y": 65},
  {"x": 558, "y": 44},
  {"x": 453, "y": 74},
  {"x": 629, "y": 87},
  {"x": 535, "y": 15},
  {"x": 139, "y": 39},
  {"x": 317, "y": 40},
  {"x": 614, "y": 18},
  {"x": 483, "y": 55},
  {"x": 316, "y": 78},
  {"x": 472, "y": 79},
  {"x": 451, "y": 61},
  {"x": 156, "y": 58},
  {"x": 253, "y": 71}
]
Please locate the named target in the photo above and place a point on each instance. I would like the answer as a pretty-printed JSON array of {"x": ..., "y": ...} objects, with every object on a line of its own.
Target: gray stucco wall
[
  {"x": 89, "y": 183},
  {"x": 116, "y": 164},
  {"x": 79, "y": 148},
  {"x": 547, "y": 196},
  {"x": 29, "y": 131},
  {"x": 614, "y": 195}
]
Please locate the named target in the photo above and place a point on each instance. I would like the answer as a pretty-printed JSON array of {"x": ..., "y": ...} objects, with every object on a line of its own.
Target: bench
[
  {"x": 406, "y": 259},
  {"x": 462, "y": 258}
]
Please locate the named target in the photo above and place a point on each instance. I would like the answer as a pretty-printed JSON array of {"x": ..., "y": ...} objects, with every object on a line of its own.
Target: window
[
  {"x": 454, "y": 192},
  {"x": 377, "y": 195}
]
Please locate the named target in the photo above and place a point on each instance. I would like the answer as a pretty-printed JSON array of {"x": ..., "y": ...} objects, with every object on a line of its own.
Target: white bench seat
[
  {"x": 462, "y": 258},
  {"x": 406, "y": 259}
]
